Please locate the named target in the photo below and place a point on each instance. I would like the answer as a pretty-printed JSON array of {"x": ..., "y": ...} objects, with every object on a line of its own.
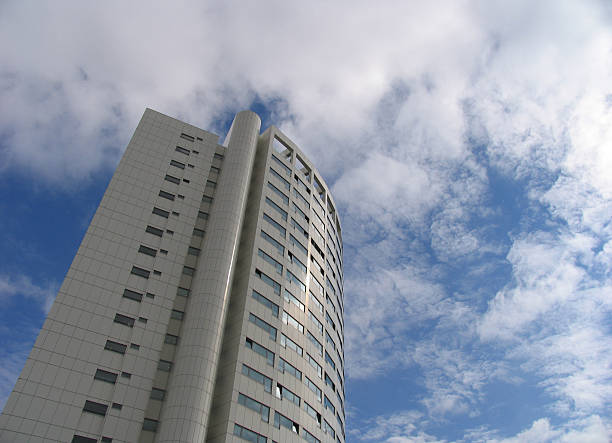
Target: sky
[{"x": 468, "y": 145}]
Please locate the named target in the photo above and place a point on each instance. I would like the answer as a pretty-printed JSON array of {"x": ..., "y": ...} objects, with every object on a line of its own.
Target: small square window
[
  {"x": 117, "y": 406},
  {"x": 156, "y": 272},
  {"x": 134, "y": 346}
]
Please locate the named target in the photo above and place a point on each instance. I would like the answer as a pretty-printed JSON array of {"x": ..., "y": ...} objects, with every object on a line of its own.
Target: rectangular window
[
  {"x": 329, "y": 360},
  {"x": 289, "y": 320},
  {"x": 284, "y": 366},
  {"x": 301, "y": 198},
  {"x": 211, "y": 184},
  {"x": 281, "y": 420},
  {"x": 161, "y": 212},
  {"x": 177, "y": 164},
  {"x": 297, "y": 262},
  {"x": 158, "y": 394},
  {"x": 218, "y": 156},
  {"x": 293, "y": 279},
  {"x": 164, "y": 365},
  {"x": 329, "y": 321},
  {"x": 248, "y": 435},
  {"x": 330, "y": 340},
  {"x": 299, "y": 227},
  {"x": 295, "y": 242},
  {"x": 314, "y": 388},
  {"x": 315, "y": 365},
  {"x": 109, "y": 377},
  {"x": 167, "y": 195},
  {"x": 285, "y": 183},
  {"x": 290, "y": 298},
  {"x": 286, "y": 342},
  {"x": 183, "y": 292},
  {"x": 258, "y": 377},
  {"x": 271, "y": 282},
  {"x": 267, "y": 303},
  {"x": 148, "y": 251},
  {"x": 95, "y": 408},
  {"x": 315, "y": 321},
  {"x": 172, "y": 179},
  {"x": 81, "y": 439},
  {"x": 256, "y": 406},
  {"x": 182, "y": 150},
  {"x": 259, "y": 349},
  {"x": 286, "y": 169},
  {"x": 279, "y": 193},
  {"x": 277, "y": 208},
  {"x": 316, "y": 302},
  {"x": 263, "y": 325},
  {"x": 124, "y": 320},
  {"x": 207, "y": 199},
  {"x": 275, "y": 224},
  {"x": 267, "y": 258},
  {"x": 284, "y": 393},
  {"x": 140, "y": 272},
  {"x": 315, "y": 342},
  {"x": 193, "y": 251},
  {"x": 329, "y": 405},
  {"x": 301, "y": 213},
  {"x": 132, "y": 295},
  {"x": 279, "y": 247},
  {"x": 198, "y": 232},
  {"x": 177, "y": 315},
  {"x": 155, "y": 231},
  {"x": 328, "y": 429},
  {"x": 150, "y": 425},
  {"x": 309, "y": 437},
  {"x": 171, "y": 339},
  {"x": 203, "y": 215},
  {"x": 329, "y": 382},
  {"x": 188, "y": 270},
  {"x": 187, "y": 137}
]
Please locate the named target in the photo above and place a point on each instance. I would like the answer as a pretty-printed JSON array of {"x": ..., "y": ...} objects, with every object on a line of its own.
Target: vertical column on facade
[{"x": 185, "y": 412}]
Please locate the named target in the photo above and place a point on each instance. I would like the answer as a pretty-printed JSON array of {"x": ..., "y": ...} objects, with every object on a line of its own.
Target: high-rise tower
[{"x": 204, "y": 304}]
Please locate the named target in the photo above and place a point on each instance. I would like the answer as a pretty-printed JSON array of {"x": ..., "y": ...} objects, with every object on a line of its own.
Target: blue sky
[{"x": 469, "y": 148}]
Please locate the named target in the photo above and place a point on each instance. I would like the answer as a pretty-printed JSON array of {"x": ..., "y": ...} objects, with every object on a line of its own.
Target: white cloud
[{"x": 23, "y": 286}]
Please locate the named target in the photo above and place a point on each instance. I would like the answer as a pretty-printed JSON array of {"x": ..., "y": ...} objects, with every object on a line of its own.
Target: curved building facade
[{"x": 205, "y": 303}]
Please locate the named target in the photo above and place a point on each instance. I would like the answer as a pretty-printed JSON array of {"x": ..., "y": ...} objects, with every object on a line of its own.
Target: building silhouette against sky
[{"x": 204, "y": 304}]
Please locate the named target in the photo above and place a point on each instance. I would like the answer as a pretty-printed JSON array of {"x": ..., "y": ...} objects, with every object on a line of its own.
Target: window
[
  {"x": 181, "y": 197},
  {"x": 289, "y": 320},
  {"x": 211, "y": 184},
  {"x": 329, "y": 321},
  {"x": 109, "y": 377},
  {"x": 155, "y": 231},
  {"x": 313, "y": 387},
  {"x": 329, "y": 340},
  {"x": 315, "y": 342},
  {"x": 149, "y": 425},
  {"x": 193, "y": 251},
  {"x": 183, "y": 292},
  {"x": 267, "y": 258},
  {"x": 142, "y": 320},
  {"x": 160, "y": 212},
  {"x": 315, "y": 365},
  {"x": 117, "y": 406},
  {"x": 267, "y": 303},
  {"x": 301, "y": 213},
  {"x": 280, "y": 248},
  {"x": 259, "y": 349},
  {"x": 279, "y": 193},
  {"x": 329, "y": 360},
  {"x": 188, "y": 270},
  {"x": 316, "y": 302},
  {"x": 285, "y": 183},
  {"x": 81, "y": 439},
  {"x": 309, "y": 437},
  {"x": 177, "y": 164},
  {"x": 126, "y": 375},
  {"x": 275, "y": 224},
  {"x": 134, "y": 346},
  {"x": 299, "y": 227},
  {"x": 148, "y": 251},
  {"x": 258, "y": 377},
  {"x": 132, "y": 295},
  {"x": 163, "y": 251},
  {"x": 284, "y": 366},
  {"x": 277, "y": 208},
  {"x": 286, "y": 169},
  {"x": 312, "y": 412},
  {"x": 203, "y": 215},
  {"x": 95, "y": 408},
  {"x": 329, "y": 382},
  {"x": 198, "y": 232},
  {"x": 295, "y": 242},
  {"x": 315, "y": 321},
  {"x": 115, "y": 347},
  {"x": 301, "y": 198},
  {"x": 268, "y": 281},
  {"x": 177, "y": 315},
  {"x": 172, "y": 179},
  {"x": 284, "y": 393},
  {"x": 256, "y": 406},
  {"x": 328, "y": 428},
  {"x": 297, "y": 262},
  {"x": 281, "y": 420},
  {"x": 187, "y": 137},
  {"x": 164, "y": 365},
  {"x": 248, "y": 435},
  {"x": 171, "y": 339},
  {"x": 218, "y": 156},
  {"x": 156, "y": 272},
  {"x": 290, "y": 298},
  {"x": 158, "y": 394},
  {"x": 286, "y": 342},
  {"x": 263, "y": 325},
  {"x": 293, "y": 279},
  {"x": 167, "y": 195},
  {"x": 124, "y": 320},
  {"x": 207, "y": 199},
  {"x": 182, "y": 150}
]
